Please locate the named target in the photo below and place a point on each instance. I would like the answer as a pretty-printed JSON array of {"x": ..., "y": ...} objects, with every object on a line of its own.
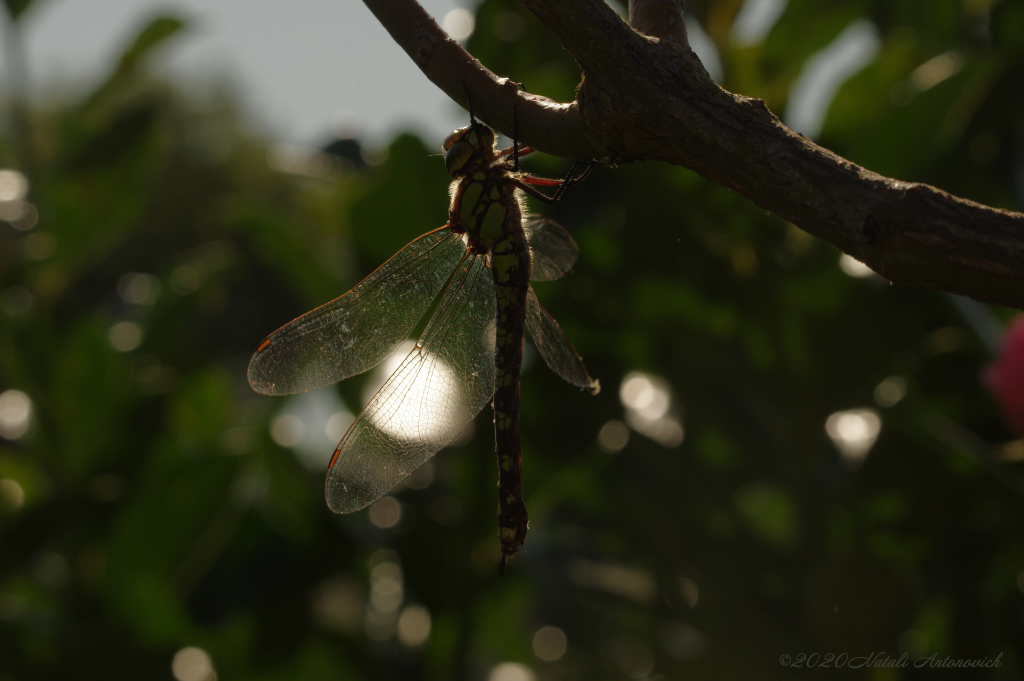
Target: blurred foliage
[{"x": 147, "y": 509}]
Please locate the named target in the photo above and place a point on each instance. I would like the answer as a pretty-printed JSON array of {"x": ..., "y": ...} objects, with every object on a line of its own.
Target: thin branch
[
  {"x": 554, "y": 127},
  {"x": 647, "y": 99}
]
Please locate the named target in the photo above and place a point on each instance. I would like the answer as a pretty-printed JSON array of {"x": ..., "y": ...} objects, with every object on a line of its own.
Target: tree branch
[
  {"x": 648, "y": 99},
  {"x": 659, "y": 19}
]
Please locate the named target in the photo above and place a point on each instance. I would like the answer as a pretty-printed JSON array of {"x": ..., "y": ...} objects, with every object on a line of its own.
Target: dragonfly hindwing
[
  {"x": 552, "y": 249},
  {"x": 554, "y": 346}
]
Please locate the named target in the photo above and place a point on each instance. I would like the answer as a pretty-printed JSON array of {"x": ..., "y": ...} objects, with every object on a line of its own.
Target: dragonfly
[{"x": 472, "y": 276}]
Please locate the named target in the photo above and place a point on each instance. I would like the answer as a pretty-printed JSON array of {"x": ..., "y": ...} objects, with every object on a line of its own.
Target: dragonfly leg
[
  {"x": 469, "y": 103},
  {"x": 515, "y": 149},
  {"x": 515, "y": 138},
  {"x": 571, "y": 179}
]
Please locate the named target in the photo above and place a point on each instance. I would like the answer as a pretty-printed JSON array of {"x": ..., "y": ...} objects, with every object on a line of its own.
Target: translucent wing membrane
[
  {"x": 440, "y": 386},
  {"x": 355, "y": 332},
  {"x": 553, "y": 345},
  {"x": 552, "y": 249}
]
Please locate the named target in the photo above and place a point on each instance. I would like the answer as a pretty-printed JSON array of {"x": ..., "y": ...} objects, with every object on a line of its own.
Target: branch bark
[{"x": 648, "y": 99}]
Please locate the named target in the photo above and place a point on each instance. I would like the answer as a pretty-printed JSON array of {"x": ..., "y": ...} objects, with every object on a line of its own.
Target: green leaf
[{"x": 156, "y": 32}]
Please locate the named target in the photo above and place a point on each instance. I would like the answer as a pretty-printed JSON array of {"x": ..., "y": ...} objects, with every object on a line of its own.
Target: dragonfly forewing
[
  {"x": 355, "y": 332},
  {"x": 553, "y": 251},
  {"x": 554, "y": 346},
  {"x": 438, "y": 389}
]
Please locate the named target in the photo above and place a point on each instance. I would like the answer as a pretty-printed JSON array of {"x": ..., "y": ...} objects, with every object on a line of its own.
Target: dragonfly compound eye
[
  {"x": 453, "y": 138},
  {"x": 456, "y": 157}
]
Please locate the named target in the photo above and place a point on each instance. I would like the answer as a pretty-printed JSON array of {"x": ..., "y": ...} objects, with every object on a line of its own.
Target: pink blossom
[{"x": 1004, "y": 378}]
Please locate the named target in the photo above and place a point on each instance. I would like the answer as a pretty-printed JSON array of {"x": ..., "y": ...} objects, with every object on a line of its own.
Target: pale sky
[{"x": 296, "y": 64}]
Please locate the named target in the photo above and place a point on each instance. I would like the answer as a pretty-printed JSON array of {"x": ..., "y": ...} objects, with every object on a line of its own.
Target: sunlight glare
[{"x": 426, "y": 409}]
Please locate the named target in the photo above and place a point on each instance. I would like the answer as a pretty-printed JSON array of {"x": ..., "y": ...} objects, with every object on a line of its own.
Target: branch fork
[{"x": 648, "y": 97}]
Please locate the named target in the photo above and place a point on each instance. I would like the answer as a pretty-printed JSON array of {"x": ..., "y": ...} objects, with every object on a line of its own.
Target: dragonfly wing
[
  {"x": 439, "y": 388},
  {"x": 355, "y": 332},
  {"x": 554, "y": 346},
  {"x": 552, "y": 249}
]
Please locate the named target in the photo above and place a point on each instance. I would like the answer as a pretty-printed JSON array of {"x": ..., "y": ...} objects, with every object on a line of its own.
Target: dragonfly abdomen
[{"x": 510, "y": 267}]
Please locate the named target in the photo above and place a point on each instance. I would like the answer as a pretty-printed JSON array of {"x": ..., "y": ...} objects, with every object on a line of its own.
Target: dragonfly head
[{"x": 468, "y": 149}]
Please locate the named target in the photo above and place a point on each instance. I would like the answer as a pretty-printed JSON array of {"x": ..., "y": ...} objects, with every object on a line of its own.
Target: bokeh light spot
[
  {"x": 689, "y": 590},
  {"x": 386, "y": 512},
  {"x": 13, "y": 185},
  {"x": 138, "y": 289},
  {"x": 936, "y": 70},
  {"x": 15, "y": 414},
  {"x": 12, "y": 496},
  {"x": 414, "y": 626},
  {"x": 38, "y": 246},
  {"x": 511, "y": 671},
  {"x": 459, "y": 23},
  {"x": 193, "y": 664},
  {"x": 125, "y": 336},
  {"x": 855, "y": 268},
  {"x": 287, "y": 430},
  {"x": 854, "y": 433},
  {"x": 187, "y": 278},
  {"x": 549, "y": 643},
  {"x": 890, "y": 391},
  {"x": 338, "y": 425},
  {"x": 648, "y": 402},
  {"x": 337, "y": 605},
  {"x": 613, "y": 436}
]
